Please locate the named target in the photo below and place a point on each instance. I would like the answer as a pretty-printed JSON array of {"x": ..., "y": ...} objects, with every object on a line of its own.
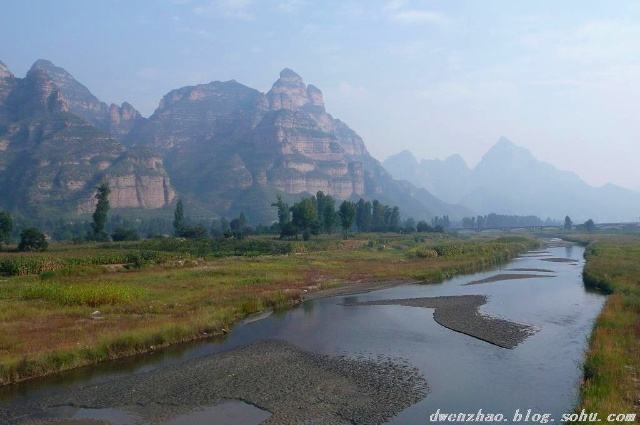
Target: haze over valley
[
  {"x": 346, "y": 212},
  {"x": 510, "y": 180}
]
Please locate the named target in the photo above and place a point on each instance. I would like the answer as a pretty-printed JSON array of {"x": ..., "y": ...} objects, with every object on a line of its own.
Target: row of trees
[
  {"x": 309, "y": 216},
  {"x": 318, "y": 214},
  {"x": 496, "y": 221},
  {"x": 588, "y": 225}
]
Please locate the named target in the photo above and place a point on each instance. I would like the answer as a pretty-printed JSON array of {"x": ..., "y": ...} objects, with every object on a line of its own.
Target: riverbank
[
  {"x": 612, "y": 364},
  {"x": 85, "y": 312}
]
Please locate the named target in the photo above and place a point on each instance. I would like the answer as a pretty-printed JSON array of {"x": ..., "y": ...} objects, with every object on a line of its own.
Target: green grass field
[
  {"x": 612, "y": 364},
  {"x": 153, "y": 293}
]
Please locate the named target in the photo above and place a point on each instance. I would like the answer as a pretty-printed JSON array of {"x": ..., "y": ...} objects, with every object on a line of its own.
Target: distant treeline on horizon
[
  {"x": 310, "y": 215},
  {"x": 495, "y": 221}
]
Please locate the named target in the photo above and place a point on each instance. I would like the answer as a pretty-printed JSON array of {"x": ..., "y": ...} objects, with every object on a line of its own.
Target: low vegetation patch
[{"x": 90, "y": 294}]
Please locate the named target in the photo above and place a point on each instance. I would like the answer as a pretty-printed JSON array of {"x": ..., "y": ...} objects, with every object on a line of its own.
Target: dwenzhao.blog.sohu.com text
[{"x": 529, "y": 416}]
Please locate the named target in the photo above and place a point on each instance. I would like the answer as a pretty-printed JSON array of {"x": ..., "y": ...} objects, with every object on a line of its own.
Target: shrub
[
  {"x": 32, "y": 239},
  {"x": 194, "y": 232},
  {"x": 121, "y": 234}
]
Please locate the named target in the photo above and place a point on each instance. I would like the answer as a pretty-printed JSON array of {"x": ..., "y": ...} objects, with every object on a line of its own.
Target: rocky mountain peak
[
  {"x": 39, "y": 94},
  {"x": 291, "y": 93},
  {"x": 289, "y": 75},
  {"x": 456, "y": 161},
  {"x": 4, "y": 71},
  {"x": 506, "y": 150},
  {"x": 80, "y": 100},
  {"x": 122, "y": 119},
  {"x": 404, "y": 159},
  {"x": 60, "y": 77}
]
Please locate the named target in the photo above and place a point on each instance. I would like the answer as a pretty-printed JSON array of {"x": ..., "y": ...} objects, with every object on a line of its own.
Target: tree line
[
  {"x": 309, "y": 216},
  {"x": 322, "y": 214},
  {"x": 493, "y": 221}
]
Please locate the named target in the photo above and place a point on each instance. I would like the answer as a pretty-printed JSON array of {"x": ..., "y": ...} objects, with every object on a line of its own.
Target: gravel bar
[
  {"x": 461, "y": 314},
  {"x": 506, "y": 276},
  {"x": 524, "y": 269},
  {"x": 295, "y": 386}
]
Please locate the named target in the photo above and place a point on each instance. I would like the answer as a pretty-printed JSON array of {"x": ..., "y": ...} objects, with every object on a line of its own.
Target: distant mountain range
[
  {"x": 223, "y": 147},
  {"x": 510, "y": 180}
]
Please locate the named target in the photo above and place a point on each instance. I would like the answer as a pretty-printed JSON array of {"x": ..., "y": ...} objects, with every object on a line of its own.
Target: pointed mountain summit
[
  {"x": 505, "y": 150},
  {"x": 87, "y": 106},
  {"x": 290, "y": 92},
  {"x": 81, "y": 101}
]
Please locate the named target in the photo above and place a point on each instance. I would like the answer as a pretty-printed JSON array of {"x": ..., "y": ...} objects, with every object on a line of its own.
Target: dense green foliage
[
  {"x": 317, "y": 214},
  {"x": 121, "y": 234},
  {"x": 32, "y": 239},
  {"x": 178, "y": 219},
  {"x": 347, "y": 215},
  {"x": 100, "y": 214},
  {"x": 568, "y": 223},
  {"x": 6, "y": 226}
]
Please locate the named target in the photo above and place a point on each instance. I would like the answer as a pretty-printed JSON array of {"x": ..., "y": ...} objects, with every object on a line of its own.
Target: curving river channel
[{"x": 517, "y": 343}]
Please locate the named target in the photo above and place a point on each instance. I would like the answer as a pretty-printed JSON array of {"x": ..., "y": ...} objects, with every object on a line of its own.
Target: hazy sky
[{"x": 561, "y": 78}]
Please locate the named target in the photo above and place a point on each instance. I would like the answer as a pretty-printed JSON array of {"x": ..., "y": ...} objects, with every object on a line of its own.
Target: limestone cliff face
[
  {"x": 52, "y": 159},
  {"x": 137, "y": 179},
  {"x": 223, "y": 139}
]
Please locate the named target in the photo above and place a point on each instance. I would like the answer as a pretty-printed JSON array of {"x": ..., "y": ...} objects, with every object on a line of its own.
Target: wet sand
[
  {"x": 461, "y": 314},
  {"x": 506, "y": 276},
  {"x": 295, "y": 386}
]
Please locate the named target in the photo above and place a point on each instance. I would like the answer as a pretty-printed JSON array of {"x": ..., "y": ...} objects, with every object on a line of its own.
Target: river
[{"x": 463, "y": 373}]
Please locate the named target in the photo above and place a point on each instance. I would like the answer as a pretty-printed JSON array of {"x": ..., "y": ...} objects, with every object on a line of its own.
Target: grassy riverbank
[
  {"x": 82, "y": 304},
  {"x": 612, "y": 364}
]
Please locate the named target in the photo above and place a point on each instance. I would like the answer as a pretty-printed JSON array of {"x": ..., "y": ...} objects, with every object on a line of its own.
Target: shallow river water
[{"x": 464, "y": 374}]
